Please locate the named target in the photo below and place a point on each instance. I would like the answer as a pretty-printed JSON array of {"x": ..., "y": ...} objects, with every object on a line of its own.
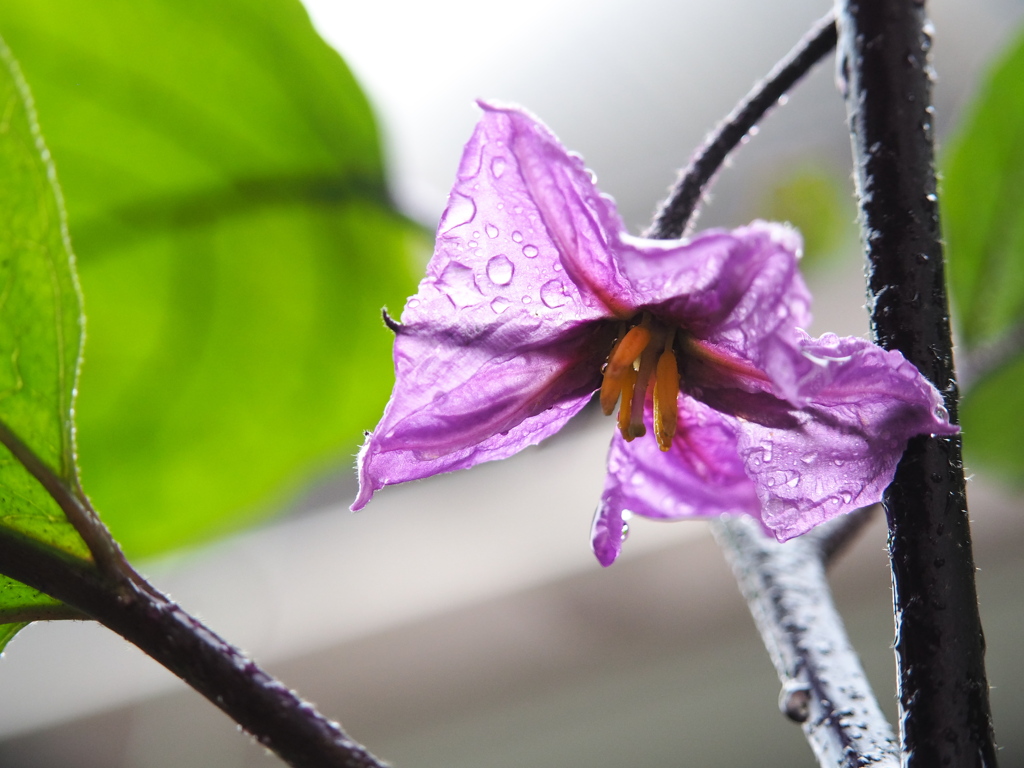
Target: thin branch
[
  {"x": 275, "y": 715},
  {"x": 104, "y": 550},
  {"x": 943, "y": 692},
  {"x": 824, "y": 687},
  {"x": 677, "y": 213}
]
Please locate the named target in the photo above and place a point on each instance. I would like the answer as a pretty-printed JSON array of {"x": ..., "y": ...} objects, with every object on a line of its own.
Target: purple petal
[
  {"x": 510, "y": 320},
  {"x": 701, "y": 476},
  {"x": 863, "y": 405},
  {"x": 740, "y": 290},
  {"x": 527, "y": 221},
  {"x": 453, "y": 407}
]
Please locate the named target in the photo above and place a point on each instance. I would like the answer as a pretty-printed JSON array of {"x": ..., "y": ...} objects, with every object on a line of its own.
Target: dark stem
[
  {"x": 276, "y": 716},
  {"x": 677, "y": 213},
  {"x": 943, "y": 692},
  {"x": 824, "y": 687}
]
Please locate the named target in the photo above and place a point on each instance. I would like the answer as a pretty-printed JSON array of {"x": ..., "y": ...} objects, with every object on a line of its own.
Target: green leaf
[
  {"x": 983, "y": 205},
  {"x": 40, "y": 338},
  {"x": 236, "y": 243},
  {"x": 991, "y": 420},
  {"x": 812, "y": 198},
  {"x": 983, "y": 221},
  {"x": 8, "y": 631}
]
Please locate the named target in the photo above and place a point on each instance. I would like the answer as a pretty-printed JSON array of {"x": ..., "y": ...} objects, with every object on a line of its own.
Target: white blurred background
[{"x": 462, "y": 621}]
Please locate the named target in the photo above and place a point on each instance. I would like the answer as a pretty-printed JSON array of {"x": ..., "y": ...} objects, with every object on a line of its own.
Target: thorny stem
[
  {"x": 824, "y": 687},
  {"x": 677, "y": 213},
  {"x": 943, "y": 692},
  {"x": 276, "y": 716}
]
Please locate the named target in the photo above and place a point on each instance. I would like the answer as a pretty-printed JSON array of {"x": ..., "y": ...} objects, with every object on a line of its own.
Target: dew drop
[
  {"x": 461, "y": 210},
  {"x": 499, "y": 305},
  {"x": 838, "y": 462},
  {"x": 413, "y": 303},
  {"x": 794, "y": 481},
  {"x": 527, "y": 299},
  {"x": 491, "y": 230},
  {"x": 847, "y": 497},
  {"x": 500, "y": 270},
  {"x": 552, "y": 293},
  {"x": 517, "y": 236},
  {"x": 530, "y": 251},
  {"x": 498, "y": 167}
]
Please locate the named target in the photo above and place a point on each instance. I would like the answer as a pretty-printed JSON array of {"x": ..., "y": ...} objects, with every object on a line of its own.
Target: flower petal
[
  {"x": 863, "y": 405},
  {"x": 700, "y": 476},
  {"x": 453, "y": 407},
  {"x": 740, "y": 290}
]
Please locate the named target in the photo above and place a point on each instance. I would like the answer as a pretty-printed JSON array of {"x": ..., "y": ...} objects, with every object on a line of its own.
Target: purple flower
[{"x": 536, "y": 297}]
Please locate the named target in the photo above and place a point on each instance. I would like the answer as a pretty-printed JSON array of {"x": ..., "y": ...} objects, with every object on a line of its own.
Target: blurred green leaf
[
  {"x": 983, "y": 205},
  {"x": 236, "y": 243},
  {"x": 983, "y": 221},
  {"x": 816, "y": 202},
  {"x": 992, "y": 423},
  {"x": 40, "y": 338}
]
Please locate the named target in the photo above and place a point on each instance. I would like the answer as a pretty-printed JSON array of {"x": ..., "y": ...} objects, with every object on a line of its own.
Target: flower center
[{"x": 643, "y": 358}]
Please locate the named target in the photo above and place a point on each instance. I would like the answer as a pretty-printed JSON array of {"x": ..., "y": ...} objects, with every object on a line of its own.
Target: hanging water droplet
[
  {"x": 795, "y": 700},
  {"x": 499, "y": 305},
  {"x": 491, "y": 230},
  {"x": 500, "y": 270},
  {"x": 530, "y": 251},
  {"x": 517, "y": 236},
  {"x": 498, "y": 167},
  {"x": 552, "y": 293}
]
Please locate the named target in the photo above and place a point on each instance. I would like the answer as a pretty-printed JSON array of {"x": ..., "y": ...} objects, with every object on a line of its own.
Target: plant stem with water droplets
[{"x": 943, "y": 692}]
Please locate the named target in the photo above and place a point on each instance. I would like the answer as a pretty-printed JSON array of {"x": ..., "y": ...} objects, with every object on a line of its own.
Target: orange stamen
[
  {"x": 627, "y": 351},
  {"x": 628, "y": 382},
  {"x": 666, "y": 399}
]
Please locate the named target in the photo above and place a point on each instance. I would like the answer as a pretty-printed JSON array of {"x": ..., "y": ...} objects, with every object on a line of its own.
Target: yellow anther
[
  {"x": 666, "y": 399},
  {"x": 628, "y": 382},
  {"x": 627, "y": 351}
]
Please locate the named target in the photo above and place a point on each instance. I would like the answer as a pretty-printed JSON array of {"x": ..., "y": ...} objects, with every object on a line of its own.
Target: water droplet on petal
[
  {"x": 413, "y": 303},
  {"x": 530, "y": 251},
  {"x": 498, "y": 167},
  {"x": 461, "y": 210},
  {"x": 838, "y": 462},
  {"x": 527, "y": 299},
  {"x": 499, "y": 305},
  {"x": 500, "y": 270},
  {"x": 847, "y": 497},
  {"x": 517, "y": 236},
  {"x": 794, "y": 481},
  {"x": 491, "y": 230},
  {"x": 458, "y": 283},
  {"x": 552, "y": 293}
]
